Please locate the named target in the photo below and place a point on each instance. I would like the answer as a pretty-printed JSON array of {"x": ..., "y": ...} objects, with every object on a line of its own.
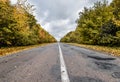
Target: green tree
[
  {"x": 98, "y": 25},
  {"x": 18, "y": 27}
]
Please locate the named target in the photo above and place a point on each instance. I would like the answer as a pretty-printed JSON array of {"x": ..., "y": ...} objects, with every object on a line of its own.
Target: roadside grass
[
  {"x": 115, "y": 51},
  {"x": 4, "y": 51}
]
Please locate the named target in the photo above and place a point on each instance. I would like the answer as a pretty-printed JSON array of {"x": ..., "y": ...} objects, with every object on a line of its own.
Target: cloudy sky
[{"x": 58, "y": 16}]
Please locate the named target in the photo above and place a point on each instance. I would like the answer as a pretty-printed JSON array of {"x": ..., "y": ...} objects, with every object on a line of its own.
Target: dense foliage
[
  {"x": 98, "y": 25},
  {"x": 19, "y": 27}
]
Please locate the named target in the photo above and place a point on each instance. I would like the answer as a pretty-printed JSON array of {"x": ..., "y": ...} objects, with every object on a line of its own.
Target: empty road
[{"x": 59, "y": 63}]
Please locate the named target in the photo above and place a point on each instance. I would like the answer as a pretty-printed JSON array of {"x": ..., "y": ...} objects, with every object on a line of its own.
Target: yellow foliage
[
  {"x": 20, "y": 18},
  {"x": 115, "y": 51}
]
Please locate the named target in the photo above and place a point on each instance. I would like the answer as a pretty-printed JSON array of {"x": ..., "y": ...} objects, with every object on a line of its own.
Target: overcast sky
[{"x": 58, "y": 16}]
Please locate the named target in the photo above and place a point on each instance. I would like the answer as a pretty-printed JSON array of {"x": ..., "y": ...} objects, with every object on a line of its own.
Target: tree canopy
[
  {"x": 97, "y": 25},
  {"x": 18, "y": 27}
]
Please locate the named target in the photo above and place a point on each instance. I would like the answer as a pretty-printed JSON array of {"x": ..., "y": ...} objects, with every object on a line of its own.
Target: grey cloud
[{"x": 58, "y": 16}]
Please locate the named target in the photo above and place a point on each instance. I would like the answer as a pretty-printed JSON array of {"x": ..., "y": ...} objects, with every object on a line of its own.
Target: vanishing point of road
[{"x": 59, "y": 62}]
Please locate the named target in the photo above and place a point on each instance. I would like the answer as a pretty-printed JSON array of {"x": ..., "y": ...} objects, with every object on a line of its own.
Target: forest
[
  {"x": 97, "y": 25},
  {"x": 18, "y": 26}
]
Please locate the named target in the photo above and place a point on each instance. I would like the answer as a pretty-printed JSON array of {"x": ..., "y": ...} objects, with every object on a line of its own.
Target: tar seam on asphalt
[{"x": 64, "y": 73}]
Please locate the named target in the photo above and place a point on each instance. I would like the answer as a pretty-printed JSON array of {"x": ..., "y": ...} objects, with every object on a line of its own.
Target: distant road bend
[{"x": 59, "y": 62}]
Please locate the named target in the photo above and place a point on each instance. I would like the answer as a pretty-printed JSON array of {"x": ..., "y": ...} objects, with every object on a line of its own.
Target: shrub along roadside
[
  {"x": 115, "y": 51},
  {"x": 4, "y": 51}
]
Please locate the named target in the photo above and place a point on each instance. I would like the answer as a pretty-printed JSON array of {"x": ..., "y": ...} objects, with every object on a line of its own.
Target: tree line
[
  {"x": 97, "y": 25},
  {"x": 18, "y": 27}
]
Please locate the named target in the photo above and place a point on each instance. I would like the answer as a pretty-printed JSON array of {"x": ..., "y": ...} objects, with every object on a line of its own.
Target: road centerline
[{"x": 64, "y": 73}]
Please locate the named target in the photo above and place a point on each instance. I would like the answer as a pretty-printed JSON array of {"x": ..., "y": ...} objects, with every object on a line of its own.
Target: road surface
[{"x": 59, "y": 63}]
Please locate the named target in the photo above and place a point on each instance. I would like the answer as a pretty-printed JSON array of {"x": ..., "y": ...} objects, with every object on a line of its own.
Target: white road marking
[{"x": 64, "y": 74}]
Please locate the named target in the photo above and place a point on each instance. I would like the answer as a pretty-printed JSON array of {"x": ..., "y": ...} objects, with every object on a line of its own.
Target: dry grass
[
  {"x": 115, "y": 51},
  {"x": 10, "y": 50}
]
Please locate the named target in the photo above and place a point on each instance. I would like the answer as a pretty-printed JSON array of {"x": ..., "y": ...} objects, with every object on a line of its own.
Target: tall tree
[
  {"x": 99, "y": 25},
  {"x": 19, "y": 27}
]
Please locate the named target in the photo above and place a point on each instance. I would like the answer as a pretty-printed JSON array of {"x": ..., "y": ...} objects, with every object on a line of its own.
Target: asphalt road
[{"x": 43, "y": 64}]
